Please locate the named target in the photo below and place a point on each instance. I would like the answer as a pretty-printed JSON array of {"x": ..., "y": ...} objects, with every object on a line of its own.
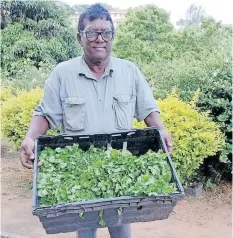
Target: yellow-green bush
[
  {"x": 17, "y": 110},
  {"x": 195, "y": 136},
  {"x": 7, "y": 92}
]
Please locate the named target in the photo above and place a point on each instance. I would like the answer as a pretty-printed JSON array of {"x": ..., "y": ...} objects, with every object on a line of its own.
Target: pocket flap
[
  {"x": 75, "y": 101},
  {"x": 124, "y": 98}
]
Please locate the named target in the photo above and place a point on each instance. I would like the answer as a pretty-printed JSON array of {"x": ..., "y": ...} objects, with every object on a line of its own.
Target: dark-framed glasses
[{"x": 92, "y": 35}]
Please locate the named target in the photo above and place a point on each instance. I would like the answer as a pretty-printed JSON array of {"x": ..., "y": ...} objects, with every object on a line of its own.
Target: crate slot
[{"x": 125, "y": 145}]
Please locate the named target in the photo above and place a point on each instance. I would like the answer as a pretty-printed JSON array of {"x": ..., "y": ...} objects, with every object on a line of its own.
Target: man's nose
[{"x": 99, "y": 38}]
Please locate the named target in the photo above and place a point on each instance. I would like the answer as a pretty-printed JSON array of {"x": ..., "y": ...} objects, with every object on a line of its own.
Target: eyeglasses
[{"x": 93, "y": 35}]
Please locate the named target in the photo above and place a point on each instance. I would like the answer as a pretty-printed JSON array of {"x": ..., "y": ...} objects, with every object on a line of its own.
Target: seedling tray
[{"x": 71, "y": 217}]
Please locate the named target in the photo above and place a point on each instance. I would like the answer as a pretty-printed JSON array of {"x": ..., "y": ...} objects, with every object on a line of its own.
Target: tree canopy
[{"x": 35, "y": 33}]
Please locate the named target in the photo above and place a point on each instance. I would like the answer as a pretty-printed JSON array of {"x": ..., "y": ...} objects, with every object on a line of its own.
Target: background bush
[
  {"x": 195, "y": 136},
  {"x": 17, "y": 112}
]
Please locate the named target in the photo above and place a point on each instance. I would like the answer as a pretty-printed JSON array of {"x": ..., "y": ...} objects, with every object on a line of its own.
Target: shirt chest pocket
[
  {"x": 74, "y": 113},
  {"x": 124, "y": 108}
]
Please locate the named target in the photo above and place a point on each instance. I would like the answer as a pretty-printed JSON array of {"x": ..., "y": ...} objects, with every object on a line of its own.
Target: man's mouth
[{"x": 99, "y": 48}]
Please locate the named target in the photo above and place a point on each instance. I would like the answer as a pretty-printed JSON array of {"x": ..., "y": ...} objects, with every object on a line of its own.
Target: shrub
[
  {"x": 16, "y": 114},
  {"x": 216, "y": 96},
  {"x": 26, "y": 75},
  {"x": 7, "y": 92},
  {"x": 195, "y": 136}
]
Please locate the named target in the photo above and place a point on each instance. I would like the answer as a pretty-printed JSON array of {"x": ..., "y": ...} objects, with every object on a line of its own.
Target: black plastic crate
[{"x": 116, "y": 211}]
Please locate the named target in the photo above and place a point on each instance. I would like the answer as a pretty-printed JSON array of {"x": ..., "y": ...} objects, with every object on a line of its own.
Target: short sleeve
[
  {"x": 145, "y": 101},
  {"x": 50, "y": 105}
]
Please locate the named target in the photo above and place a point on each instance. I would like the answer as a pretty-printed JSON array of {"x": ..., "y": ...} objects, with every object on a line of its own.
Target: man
[{"x": 94, "y": 93}]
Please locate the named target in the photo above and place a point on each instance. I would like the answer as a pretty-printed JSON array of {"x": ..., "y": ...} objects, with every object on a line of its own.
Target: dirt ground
[{"x": 206, "y": 217}]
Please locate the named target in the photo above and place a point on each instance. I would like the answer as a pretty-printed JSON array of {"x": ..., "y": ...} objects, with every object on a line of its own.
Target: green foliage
[
  {"x": 143, "y": 28},
  {"x": 184, "y": 74},
  {"x": 216, "y": 96},
  {"x": 15, "y": 11},
  {"x": 195, "y": 136},
  {"x": 100, "y": 174},
  {"x": 7, "y": 92},
  {"x": 152, "y": 23},
  {"x": 36, "y": 35},
  {"x": 194, "y": 56},
  {"x": 194, "y": 16},
  {"x": 27, "y": 76},
  {"x": 16, "y": 114}
]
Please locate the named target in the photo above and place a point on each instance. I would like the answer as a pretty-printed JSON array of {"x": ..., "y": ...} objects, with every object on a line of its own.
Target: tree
[
  {"x": 138, "y": 36},
  {"x": 34, "y": 33},
  {"x": 194, "y": 16}
]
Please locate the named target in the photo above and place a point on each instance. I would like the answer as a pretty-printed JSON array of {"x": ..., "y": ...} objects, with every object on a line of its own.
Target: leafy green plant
[
  {"x": 102, "y": 222},
  {"x": 100, "y": 174},
  {"x": 81, "y": 215}
]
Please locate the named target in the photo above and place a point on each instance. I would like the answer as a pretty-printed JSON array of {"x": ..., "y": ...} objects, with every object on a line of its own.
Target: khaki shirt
[{"x": 82, "y": 104}]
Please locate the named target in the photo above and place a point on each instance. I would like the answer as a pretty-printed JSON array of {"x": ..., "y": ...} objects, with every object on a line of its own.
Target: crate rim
[{"x": 176, "y": 196}]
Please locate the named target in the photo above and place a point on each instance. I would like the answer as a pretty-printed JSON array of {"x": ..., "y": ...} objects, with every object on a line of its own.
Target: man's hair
[{"x": 92, "y": 13}]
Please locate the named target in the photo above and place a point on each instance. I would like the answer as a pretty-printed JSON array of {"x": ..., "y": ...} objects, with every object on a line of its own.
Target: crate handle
[
  {"x": 131, "y": 133},
  {"x": 84, "y": 137},
  {"x": 164, "y": 147},
  {"x": 116, "y": 135},
  {"x": 68, "y": 138}
]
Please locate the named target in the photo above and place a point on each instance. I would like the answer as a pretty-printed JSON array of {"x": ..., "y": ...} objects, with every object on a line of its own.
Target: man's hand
[
  {"x": 27, "y": 153},
  {"x": 168, "y": 140},
  {"x": 154, "y": 119},
  {"x": 38, "y": 126}
]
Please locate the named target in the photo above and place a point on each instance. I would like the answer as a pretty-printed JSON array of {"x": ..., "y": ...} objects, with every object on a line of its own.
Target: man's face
[{"x": 99, "y": 48}]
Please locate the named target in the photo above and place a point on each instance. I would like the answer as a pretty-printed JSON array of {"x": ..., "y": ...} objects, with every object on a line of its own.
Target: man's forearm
[
  {"x": 38, "y": 126},
  {"x": 154, "y": 119}
]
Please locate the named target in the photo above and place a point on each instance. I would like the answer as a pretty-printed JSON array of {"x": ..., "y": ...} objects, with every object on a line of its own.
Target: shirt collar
[{"x": 85, "y": 70}]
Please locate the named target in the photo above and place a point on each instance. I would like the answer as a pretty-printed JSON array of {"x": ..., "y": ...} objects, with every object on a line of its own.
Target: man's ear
[{"x": 79, "y": 38}]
